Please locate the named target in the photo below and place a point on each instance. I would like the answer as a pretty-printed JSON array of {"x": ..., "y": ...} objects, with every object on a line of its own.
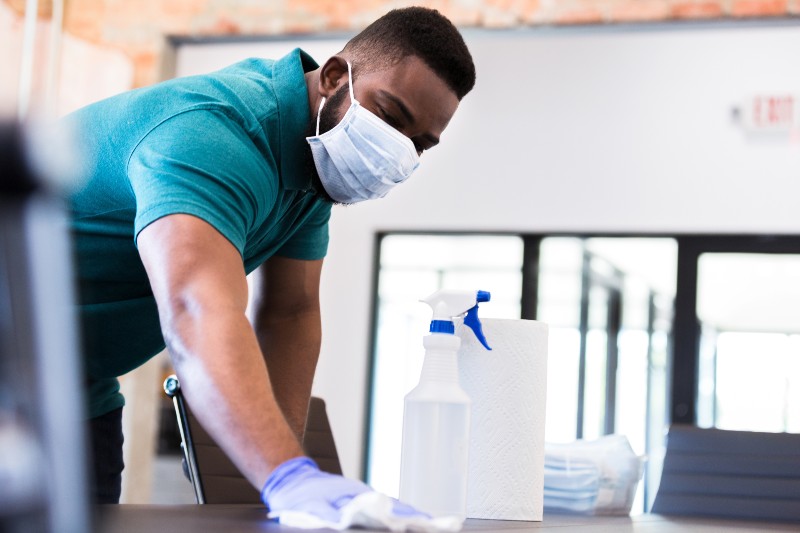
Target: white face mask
[{"x": 362, "y": 157}]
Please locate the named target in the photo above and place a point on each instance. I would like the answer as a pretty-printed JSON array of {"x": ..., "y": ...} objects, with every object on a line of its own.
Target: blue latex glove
[{"x": 299, "y": 485}]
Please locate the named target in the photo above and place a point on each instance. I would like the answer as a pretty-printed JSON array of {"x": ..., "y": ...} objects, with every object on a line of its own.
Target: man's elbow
[{"x": 186, "y": 318}]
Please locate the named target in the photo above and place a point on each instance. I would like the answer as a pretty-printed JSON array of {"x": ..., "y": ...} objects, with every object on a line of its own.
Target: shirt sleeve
[
  {"x": 202, "y": 163},
  {"x": 310, "y": 241}
]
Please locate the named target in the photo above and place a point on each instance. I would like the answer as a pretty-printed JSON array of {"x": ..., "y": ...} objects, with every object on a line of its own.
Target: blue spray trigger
[{"x": 472, "y": 321}]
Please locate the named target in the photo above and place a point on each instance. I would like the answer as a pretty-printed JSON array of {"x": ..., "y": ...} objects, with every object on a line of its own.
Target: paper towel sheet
[{"x": 508, "y": 389}]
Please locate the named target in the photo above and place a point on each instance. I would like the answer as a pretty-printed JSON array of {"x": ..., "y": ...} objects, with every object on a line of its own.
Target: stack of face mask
[{"x": 591, "y": 477}]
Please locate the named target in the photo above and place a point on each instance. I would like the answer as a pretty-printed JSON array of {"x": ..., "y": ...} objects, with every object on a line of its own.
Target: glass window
[
  {"x": 595, "y": 387},
  {"x": 559, "y": 306},
  {"x": 623, "y": 288},
  {"x": 607, "y": 303},
  {"x": 749, "y": 370}
]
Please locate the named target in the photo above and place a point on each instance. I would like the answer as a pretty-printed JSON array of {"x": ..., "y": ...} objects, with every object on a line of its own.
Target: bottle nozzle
[{"x": 449, "y": 304}]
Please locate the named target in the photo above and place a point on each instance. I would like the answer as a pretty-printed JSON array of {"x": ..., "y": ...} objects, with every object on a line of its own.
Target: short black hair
[{"x": 421, "y": 32}]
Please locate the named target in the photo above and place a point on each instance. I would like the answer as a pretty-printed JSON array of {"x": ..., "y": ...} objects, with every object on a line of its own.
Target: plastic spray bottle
[{"x": 436, "y": 419}]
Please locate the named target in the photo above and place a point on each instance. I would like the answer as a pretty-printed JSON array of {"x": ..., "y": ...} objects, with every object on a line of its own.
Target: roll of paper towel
[{"x": 508, "y": 389}]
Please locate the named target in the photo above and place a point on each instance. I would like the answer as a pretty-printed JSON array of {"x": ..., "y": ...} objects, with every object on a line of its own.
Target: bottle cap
[{"x": 449, "y": 304}]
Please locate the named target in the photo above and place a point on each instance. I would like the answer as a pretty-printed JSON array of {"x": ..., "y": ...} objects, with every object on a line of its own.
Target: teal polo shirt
[{"x": 227, "y": 147}]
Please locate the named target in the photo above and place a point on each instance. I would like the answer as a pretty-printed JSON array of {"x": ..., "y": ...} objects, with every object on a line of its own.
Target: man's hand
[{"x": 299, "y": 485}]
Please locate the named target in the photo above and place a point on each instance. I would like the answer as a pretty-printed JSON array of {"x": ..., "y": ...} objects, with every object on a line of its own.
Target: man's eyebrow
[
  {"x": 432, "y": 139},
  {"x": 400, "y": 105}
]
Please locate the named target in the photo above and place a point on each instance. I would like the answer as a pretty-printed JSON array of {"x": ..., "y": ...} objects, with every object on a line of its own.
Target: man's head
[
  {"x": 420, "y": 32},
  {"x": 410, "y": 68}
]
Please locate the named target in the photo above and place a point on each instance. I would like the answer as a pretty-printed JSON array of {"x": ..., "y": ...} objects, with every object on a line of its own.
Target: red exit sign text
[{"x": 772, "y": 112}]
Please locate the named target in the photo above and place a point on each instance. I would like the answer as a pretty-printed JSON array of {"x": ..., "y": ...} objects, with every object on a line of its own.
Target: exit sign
[{"x": 772, "y": 113}]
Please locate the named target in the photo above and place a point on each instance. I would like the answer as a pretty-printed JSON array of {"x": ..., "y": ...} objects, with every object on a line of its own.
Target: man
[{"x": 195, "y": 182}]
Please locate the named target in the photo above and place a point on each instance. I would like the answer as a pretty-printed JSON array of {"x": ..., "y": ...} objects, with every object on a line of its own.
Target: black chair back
[
  {"x": 215, "y": 478},
  {"x": 734, "y": 474}
]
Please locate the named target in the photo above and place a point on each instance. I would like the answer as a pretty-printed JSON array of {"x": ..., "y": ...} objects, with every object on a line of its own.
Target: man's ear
[{"x": 332, "y": 75}]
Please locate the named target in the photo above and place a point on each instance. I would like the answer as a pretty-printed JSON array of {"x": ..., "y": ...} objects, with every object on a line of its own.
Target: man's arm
[
  {"x": 200, "y": 287},
  {"x": 287, "y": 324},
  {"x": 201, "y": 290}
]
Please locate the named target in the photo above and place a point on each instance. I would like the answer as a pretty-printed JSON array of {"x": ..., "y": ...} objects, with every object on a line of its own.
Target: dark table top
[{"x": 252, "y": 518}]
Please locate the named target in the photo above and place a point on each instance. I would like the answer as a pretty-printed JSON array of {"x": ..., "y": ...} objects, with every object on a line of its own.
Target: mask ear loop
[
  {"x": 352, "y": 96},
  {"x": 319, "y": 113},
  {"x": 350, "y": 81}
]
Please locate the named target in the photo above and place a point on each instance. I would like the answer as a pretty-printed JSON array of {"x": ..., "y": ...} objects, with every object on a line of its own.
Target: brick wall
[{"x": 139, "y": 27}]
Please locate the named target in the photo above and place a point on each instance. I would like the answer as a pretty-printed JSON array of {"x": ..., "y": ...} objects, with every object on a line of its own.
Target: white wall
[{"x": 620, "y": 129}]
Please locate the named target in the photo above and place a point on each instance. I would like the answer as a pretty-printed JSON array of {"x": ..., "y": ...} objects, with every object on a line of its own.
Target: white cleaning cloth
[{"x": 370, "y": 510}]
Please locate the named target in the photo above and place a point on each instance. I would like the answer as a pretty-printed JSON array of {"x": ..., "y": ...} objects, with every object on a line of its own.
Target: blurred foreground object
[
  {"x": 43, "y": 485},
  {"x": 591, "y": 477}
]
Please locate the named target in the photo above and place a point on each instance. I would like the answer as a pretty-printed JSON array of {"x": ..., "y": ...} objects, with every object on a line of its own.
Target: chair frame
[
  {"x": 172, "y": 388},
  {"x": 318, "y": 444}
]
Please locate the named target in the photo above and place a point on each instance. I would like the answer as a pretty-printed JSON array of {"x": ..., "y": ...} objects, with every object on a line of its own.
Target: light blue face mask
[{"x": 362, "y": 157}]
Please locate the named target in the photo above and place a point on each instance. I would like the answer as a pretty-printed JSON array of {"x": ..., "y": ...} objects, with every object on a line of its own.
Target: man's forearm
[
  {"x": 291, "y": 347},
  {"x": 226, "y": 383}
]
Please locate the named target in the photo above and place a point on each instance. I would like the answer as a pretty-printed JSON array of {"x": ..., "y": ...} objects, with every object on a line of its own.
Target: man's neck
[{"x": 312, "y": 84}]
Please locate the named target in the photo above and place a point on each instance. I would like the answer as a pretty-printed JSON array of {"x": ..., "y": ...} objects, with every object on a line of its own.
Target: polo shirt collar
[{"x": 292, "y": 96}]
